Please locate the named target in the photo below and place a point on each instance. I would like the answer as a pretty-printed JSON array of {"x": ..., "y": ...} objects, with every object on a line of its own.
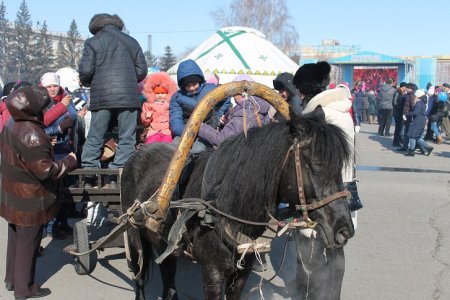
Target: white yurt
[{"x": 240, "y": 50}]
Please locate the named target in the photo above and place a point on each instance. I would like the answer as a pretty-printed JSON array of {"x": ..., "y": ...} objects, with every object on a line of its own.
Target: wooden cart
[{"x": 84, "y": 235}]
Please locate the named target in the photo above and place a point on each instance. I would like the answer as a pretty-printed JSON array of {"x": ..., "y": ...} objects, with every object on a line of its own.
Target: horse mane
[
  {"x": 246, "y": 172},
  {"x": 330, "y": 146},
  {"x": 243, "y": 174}
]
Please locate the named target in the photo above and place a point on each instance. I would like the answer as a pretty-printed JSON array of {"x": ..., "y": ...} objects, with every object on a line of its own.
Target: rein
[{"x": 303, "y": 207}]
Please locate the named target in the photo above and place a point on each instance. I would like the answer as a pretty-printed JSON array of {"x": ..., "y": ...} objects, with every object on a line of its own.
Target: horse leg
[
  {"x": 137, "y": 248},
  {"x": 213, "y": 279},
  {"x": 168, "y": 270},
  {"x": 317, "y": 266},
  {"x": 336, "y": 263},
  {"x": 236, "y": 282}
]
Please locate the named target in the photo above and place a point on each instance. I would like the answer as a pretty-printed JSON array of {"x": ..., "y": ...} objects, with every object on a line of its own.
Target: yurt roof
[{"x": 240, "y": 50}]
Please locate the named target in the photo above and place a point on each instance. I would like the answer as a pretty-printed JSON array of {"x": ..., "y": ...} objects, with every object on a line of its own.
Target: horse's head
[{"x": 323, "y": 151}]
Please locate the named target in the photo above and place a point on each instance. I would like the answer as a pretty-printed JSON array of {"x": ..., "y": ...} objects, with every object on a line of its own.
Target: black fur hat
[
  {"x": 99, "y": 21},
  {"x": 312, "y": 79}
]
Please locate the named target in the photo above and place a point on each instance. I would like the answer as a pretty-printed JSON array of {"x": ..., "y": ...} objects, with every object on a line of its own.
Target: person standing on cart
[{"x": 112, "y": 64}]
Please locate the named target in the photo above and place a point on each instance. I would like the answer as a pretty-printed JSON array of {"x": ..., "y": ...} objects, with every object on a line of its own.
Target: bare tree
[{"x": 271, "y": 17}]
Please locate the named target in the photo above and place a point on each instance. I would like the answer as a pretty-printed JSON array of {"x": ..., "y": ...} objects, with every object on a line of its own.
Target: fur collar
[{"x": 340, "y": 93}]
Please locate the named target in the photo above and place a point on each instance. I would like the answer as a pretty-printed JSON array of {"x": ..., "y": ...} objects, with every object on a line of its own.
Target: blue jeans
[
  {"x": 422, "y": 144},
  {"x": 435, "y": 129},
  {"x": 127, "y": 121}
]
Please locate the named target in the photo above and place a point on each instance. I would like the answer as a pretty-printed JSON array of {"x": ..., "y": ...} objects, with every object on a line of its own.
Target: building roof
[{"x": 366, "y": 58}]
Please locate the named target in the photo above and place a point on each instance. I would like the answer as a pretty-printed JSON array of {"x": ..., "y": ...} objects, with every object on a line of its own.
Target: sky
[{"x": 395, "y": 28}]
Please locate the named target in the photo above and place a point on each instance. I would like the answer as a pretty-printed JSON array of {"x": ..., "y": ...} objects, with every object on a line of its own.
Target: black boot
[
  {"x": 409, "y": 152},
  {"x": 354, "y": 203},
  {"x": 429, "y": 150}
]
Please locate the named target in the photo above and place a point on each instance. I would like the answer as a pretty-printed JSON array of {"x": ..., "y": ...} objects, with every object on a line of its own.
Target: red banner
[{"x": 374, "y": 78}]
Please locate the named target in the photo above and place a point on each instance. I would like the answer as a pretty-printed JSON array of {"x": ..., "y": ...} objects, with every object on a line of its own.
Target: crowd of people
[
  {"x": 418, "y": 115},
  {"x": 50, "y": 128}
]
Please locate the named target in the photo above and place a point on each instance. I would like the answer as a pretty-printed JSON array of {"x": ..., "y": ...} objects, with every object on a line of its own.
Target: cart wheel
[{"x": 84, "y": 264}]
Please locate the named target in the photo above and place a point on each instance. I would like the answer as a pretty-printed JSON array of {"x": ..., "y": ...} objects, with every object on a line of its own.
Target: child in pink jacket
[{"x": 158, "y": 89}]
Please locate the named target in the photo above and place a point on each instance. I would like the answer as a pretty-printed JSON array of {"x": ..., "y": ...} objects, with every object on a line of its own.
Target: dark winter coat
[
  {"x": 235, "y": 124},
  {"x": 398, "y": 101},
  {"x": 408, "y": 106},
  {"x": 28, "y": 170},
  {"x": 358, "y": 102},
  {"x": 112, "y": 64},
  {"x": 418, "y": 119},
  {"x": 385, "y": 96},
  {"x": 284, "y": 81},
  {"x": 182, "y": 103},
  {"x": 373, "y": 110}
]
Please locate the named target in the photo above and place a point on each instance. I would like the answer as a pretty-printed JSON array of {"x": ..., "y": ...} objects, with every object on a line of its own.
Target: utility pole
[{"x": 149, "y": 43}]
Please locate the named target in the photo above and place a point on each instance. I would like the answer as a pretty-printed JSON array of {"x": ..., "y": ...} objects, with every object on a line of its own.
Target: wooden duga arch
[{"x": 159, "y": 211}]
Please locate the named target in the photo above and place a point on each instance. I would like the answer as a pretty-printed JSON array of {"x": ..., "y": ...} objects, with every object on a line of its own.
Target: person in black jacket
[
  {"x": 398, "y": 102},
  {"x": 283, "y": 84},
  {"x": 112, "y": 64}
]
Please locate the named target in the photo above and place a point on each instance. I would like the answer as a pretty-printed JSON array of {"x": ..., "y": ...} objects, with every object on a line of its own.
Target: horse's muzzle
[{"x": 341, "y": 237}]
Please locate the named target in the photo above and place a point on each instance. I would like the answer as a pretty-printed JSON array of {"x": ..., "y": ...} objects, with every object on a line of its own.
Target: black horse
[{"x": 246, "y": 177}]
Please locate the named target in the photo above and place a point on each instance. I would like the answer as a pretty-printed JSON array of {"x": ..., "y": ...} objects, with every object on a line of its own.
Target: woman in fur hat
[
  {"x": 158, "y": 88},
  {"x": 312, "y": 80}
]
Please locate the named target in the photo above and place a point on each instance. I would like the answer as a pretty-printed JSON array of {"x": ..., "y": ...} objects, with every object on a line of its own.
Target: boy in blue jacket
[{"x": 193, "y": 88}]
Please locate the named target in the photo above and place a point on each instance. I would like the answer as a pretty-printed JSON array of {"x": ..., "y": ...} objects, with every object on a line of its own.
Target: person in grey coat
[
  {"x": 385, "y": 97},
  {"x": 112, "y": 64}
]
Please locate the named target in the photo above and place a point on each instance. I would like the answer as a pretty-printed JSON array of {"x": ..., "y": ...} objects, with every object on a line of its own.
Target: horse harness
[
  {"x": 262, "y": 244},
  {"x": 303, "y": 207},
  {"x": 243, "y": 243}
]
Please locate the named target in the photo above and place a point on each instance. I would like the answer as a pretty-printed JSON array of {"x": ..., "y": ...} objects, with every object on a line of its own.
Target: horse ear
[
  {"x": 318, "y": 114},
  {"x": 304, "y": 122}
]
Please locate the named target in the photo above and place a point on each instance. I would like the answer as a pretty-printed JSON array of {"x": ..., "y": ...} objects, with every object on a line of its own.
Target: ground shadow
[{"x": 53, "y": 258}]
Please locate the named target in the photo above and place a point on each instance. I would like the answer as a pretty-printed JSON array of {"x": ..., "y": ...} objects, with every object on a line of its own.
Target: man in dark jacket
[
  {"x": 112, "y": 64},
  {"x": 28, "y": 198},
  {"x": 398, "y": 102},
  {"x": 385, "y": 107},
  {"x": 408, "y": 106}
]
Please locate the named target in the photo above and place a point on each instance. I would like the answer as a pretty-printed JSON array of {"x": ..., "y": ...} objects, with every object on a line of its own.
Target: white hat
[
  {"x": 419, "y": 93},
  {"x": 68, "y": 79},
  {"x": 50, "y": 78}
]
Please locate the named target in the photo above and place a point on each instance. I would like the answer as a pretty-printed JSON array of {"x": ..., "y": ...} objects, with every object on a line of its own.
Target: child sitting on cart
[{"x": 158, "y": 89}]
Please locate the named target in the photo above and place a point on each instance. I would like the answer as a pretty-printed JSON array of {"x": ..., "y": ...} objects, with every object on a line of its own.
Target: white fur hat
[{"x": 49, "y": 78}]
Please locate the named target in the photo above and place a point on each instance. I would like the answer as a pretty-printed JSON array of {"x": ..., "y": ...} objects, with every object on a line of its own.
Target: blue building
[{"x": 351, "y": 65}]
